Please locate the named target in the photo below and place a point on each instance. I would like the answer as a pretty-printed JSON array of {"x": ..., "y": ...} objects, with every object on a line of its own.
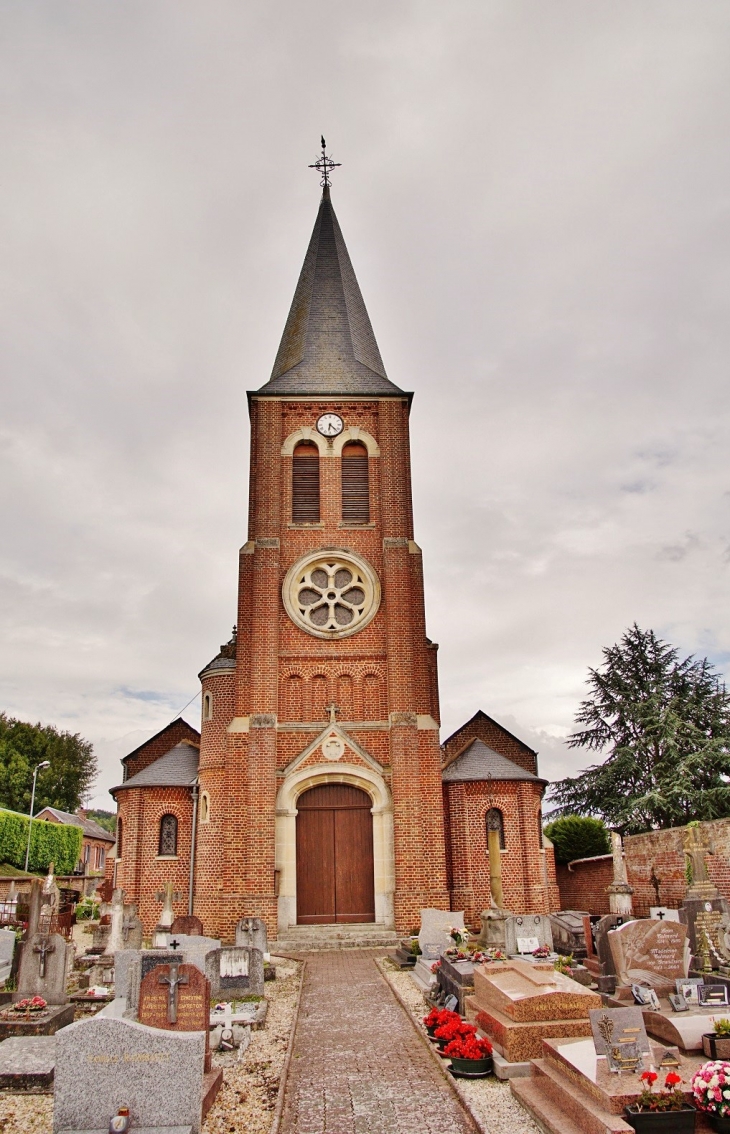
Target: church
[{"x": 317, "y": 792}]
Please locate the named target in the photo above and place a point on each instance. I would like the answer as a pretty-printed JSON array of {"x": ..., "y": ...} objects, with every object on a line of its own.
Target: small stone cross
[
  {"x": 333, "y": 710},
  {"x": 42, "y": 949},
  {"x": 661, "y": 915},
  {"x": 173, "y": 980}
]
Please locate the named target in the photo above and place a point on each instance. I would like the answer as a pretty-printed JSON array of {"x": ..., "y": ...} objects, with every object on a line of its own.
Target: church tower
[{"x": 320, "y": 793}]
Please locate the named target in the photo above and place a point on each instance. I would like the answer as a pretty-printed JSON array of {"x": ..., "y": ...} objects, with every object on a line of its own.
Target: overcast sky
[{"x": 535, "y": 197}]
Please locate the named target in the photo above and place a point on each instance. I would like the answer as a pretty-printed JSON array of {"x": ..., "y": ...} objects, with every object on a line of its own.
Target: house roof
[
  {"x": 177, "y": 768},
  {"x": 167, "y": 728},
  {"x": 328, "y": 346},
  {"x": 485, "y": 716},
  {"x": 480, "y": 762},
  {"x": 91, "y": 829}
]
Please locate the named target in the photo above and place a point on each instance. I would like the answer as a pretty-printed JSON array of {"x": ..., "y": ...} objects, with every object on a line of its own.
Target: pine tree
[{"x": 665, "y": 725}]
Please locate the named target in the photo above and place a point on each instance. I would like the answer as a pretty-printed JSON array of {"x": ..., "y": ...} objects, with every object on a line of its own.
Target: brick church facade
[{"x": 317, "y": 791}]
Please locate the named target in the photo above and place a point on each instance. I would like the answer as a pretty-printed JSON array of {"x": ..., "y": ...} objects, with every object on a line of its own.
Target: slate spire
[{"x": 328, "y": 346}]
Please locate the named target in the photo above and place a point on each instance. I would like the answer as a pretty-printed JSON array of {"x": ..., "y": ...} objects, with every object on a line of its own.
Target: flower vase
[
  {"x": 716, "y": 1047},
  {"x": 473, "y": 1068},
  {"x": 662, "y": 1121}
]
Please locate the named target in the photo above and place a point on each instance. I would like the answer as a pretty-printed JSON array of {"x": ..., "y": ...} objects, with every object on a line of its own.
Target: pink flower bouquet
[{"x": 711, "y": 1087}]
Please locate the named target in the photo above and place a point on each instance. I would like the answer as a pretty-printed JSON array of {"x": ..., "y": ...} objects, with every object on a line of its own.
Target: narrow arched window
[
  {"x": 204, "y": 807},
  {"x": 168, "y": 835},
  {"x": 119, "y": 838},
  {"x": 207, "y": 706},
  {"x": 355, "y": 485},
  {"x": 305, "y": 484},
  {"x": 495, "y": 822}
]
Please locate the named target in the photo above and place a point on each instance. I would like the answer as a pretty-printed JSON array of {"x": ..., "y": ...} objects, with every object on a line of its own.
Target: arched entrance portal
[{"x": 335, "y": 877}]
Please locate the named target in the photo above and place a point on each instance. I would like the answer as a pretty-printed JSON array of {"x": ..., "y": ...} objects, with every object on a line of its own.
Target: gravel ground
[
  {"x": 247, "y": 1098},
  {"x": 490, "y": 1100}
]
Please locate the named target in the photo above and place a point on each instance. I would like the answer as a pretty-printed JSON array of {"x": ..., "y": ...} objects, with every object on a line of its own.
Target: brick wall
[
  {"x": 158, "y": 745},
  {"x": 655, "y": 866},
  {"x": 498, "y": 738}
]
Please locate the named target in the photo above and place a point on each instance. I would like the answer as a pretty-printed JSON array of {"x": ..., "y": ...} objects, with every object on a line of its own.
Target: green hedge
[
  {"x": 49, "y": 843},
  {"x": 578, "y": 836}
]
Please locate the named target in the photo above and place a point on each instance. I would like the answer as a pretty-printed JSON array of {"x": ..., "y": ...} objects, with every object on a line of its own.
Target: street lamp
[{"x": 43, "y": 764}]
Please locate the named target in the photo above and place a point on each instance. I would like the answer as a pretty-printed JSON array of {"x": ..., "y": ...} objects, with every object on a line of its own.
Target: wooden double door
[{"x": 334, "y": 856}]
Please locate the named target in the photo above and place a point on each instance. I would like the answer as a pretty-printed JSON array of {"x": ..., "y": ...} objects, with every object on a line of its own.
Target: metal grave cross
[
  {"x": 42, "y": 949},
  {"x": 173, "y": 980},
  {"x": 174, "y": 944}
]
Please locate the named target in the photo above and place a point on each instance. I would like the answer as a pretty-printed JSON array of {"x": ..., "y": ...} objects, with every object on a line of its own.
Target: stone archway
[{"x": 368, "y": 781}]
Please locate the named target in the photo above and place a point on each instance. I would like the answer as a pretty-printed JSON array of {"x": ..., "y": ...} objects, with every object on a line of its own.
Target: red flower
[
  {"x": 651, "y": 1077},
  {"x": 672, "y": 1079},
  {"x": 468, "y": 1046}
]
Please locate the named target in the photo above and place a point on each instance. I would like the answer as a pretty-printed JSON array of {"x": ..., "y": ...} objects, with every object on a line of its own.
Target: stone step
[
  {"x": 548, "y": 1116},
  {"x": 312, "y": 938},
  {"x": 552, "y": 1092}
]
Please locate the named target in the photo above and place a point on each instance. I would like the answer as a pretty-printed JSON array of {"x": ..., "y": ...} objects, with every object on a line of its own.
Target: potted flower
[
  {"x": 541, "y": 952},
  {"x": 716, "y": 1045},
  {"x": 564, "y": 964},
  {"x": 436, "y": 1017},
  {"x": 470, "y": 1055},
  {"x": 711, "y": 1087},
  {"x": 451, "y": 1030},
  {"x": 666, "y": 1111},
  {"x": 458, "y": 936}
]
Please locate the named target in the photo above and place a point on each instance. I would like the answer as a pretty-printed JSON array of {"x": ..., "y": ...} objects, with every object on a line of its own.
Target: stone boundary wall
[{"x": 655, "y": 865}]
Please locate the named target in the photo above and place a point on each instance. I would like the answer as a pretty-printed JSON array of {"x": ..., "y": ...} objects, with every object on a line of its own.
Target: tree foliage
[
  {"x": 578, "y": 836},
  {"x": 105, "y": 819},
  {"x": 56, "y": 843},
  {"x": 63, "y": 785},
  {"x": 665, "y": 726}
]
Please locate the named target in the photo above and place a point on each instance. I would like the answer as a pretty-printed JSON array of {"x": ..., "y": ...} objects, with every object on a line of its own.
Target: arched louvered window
[
  {"x": 495, "y": 822},
  {"x": 119, "y": 838},
  {"x": 305, "y": 484},
  {"x": 168, "y": 835},
  {"x": 355, "y": 485}
]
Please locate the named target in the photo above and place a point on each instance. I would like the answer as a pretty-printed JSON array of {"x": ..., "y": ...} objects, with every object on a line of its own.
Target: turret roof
[{"x": 328, "y": 346}]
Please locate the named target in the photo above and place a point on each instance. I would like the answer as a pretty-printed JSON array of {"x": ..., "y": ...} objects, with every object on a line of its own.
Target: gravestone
[
  {"x": 518, "y": 1004},
  {"x": 663, "y": 913},
  {"x": 606, "y": 970},
  {"x": 34, "y": 909},
  {"x": 50, "y": 902},
  {"x": 124, "y": 963},
  {"x": 569, "y": 937},
  {"x": 132, "y": 929},
  {"x": 190, "y": 925},
  {"x": 115, "y": 940},
  {"x": 434, "y": 934},
  {"x": 235, "y": 971},
  {"x": 193, "y": 948},
  {"x": 7, "y": 952},
  {"x": 43, "y": 968},
  {"x": 251, "y": 931},
  {"x": 27, "y": 1063},
  {"x": 492, "y": 934},
  {"x": 104, "y": 1063},
  {"x": 650, "y": 952},
  {"x": 527, "y": 932},
  {"x": 167, "y": 916}
]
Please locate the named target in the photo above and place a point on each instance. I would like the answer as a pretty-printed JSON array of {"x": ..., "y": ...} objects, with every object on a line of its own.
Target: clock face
[{"x": 330, "y": 424}]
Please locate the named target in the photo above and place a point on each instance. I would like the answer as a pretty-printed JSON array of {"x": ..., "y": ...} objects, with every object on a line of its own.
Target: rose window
[{"x": 331, "y": 596}]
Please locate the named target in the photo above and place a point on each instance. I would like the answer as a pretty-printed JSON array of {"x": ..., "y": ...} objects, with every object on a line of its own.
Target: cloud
[{"x": 534, "y": 200}]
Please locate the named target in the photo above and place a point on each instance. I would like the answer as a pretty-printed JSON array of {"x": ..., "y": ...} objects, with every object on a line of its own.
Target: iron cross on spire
[{"x": 325, "y": 165}]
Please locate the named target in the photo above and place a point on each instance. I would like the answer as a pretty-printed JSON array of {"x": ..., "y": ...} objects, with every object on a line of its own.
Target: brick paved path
[{"x": 358, "y": 1066}]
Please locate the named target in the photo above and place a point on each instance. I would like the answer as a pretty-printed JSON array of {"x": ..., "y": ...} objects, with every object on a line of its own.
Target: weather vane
[{"x": 325, "y": 165}]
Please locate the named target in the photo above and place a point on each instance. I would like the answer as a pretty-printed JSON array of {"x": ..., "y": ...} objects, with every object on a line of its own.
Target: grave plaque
[
  {"x": 650, "y": 952},
  {"x": 533, "y": 930},
  {"x": 618, "y": 1026},
  {"x": 434, "y": 935},
  {"x": 235, "y": 971},
  {"x": 175, "y": 997},
  {"x": 132, "y": 929}
]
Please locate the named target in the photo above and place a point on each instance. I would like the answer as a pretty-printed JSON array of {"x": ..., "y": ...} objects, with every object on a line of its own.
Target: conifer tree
[{"x": 665, "y": 727}]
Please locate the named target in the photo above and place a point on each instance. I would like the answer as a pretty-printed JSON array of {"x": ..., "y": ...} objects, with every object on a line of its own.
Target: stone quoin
[{"x": 317, "y": 791}]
